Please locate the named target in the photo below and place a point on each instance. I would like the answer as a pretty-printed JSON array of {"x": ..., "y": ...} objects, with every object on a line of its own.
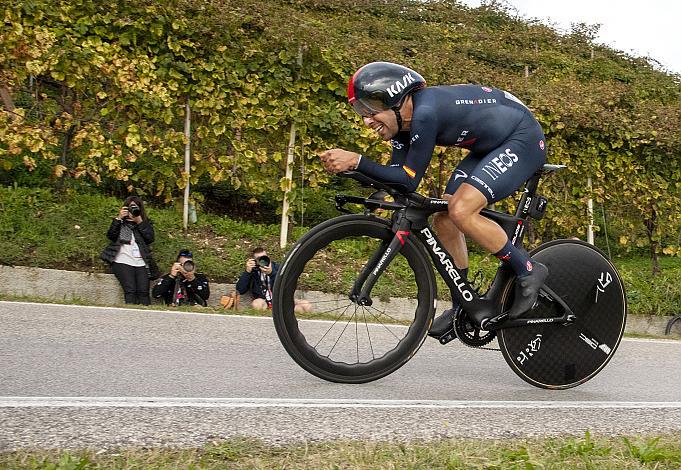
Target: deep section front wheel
[
  {"x": 557, "y": 356},
  {"x": 328, "y": 334}
]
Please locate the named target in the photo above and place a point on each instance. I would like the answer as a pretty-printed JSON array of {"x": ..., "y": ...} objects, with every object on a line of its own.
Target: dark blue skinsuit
[{"x": 506, "y": 142}]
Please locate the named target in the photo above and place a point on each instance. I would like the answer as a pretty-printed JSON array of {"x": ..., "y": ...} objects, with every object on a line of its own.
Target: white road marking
[{"x": 172, "y": 402}]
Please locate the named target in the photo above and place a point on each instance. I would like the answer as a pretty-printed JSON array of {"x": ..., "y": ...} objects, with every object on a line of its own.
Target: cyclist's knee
[
  {"x": 464, "y": 204},
  {"x": 460, "y": 211}
]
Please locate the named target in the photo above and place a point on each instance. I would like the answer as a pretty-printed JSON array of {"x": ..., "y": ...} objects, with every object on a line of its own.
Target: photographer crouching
[
  {"x": 183, "y": 285},
  {"x": 258, "y": 278}
]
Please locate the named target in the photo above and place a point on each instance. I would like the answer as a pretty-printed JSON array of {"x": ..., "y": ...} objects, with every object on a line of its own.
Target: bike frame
[{"x": 410, "y": 216}]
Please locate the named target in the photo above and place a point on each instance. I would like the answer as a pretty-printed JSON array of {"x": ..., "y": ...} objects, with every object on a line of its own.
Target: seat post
[
  {"x": 532, "y": 183},
  {"x": 530, "y": 189}
]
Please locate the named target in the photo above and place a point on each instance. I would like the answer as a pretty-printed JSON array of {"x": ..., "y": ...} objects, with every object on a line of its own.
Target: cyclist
[{"x": 506, "y": 146}]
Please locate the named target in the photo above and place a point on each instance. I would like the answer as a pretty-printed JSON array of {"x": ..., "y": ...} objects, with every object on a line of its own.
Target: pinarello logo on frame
[{"x": 541, "y": 144}]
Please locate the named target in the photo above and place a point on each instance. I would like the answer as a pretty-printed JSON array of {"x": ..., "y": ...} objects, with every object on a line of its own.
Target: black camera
[
  {"x": 188, "y": 266},
  {"x": 134, "y": 210},
  {"x": 263, "y": 261}
]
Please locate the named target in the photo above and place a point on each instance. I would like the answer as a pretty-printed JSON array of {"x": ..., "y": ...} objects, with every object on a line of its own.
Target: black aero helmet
[{"x": 379, "y": 86}]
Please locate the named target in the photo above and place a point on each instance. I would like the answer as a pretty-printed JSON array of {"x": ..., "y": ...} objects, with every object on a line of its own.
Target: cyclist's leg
[
  {"x": 497, "y": 175},
  {"x": 450, "y": 235},
  {"x": 453, "y": 240}
]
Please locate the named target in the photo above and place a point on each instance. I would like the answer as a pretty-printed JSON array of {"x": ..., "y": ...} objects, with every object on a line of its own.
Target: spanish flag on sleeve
[{"x": 411, "y": 173}]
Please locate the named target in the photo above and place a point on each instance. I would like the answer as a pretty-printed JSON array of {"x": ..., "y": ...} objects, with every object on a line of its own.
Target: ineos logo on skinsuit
[
  {"x": 447, "y": 263},
  {"x": 398, "y": 86},
  {"x": 500, "y": 164}
]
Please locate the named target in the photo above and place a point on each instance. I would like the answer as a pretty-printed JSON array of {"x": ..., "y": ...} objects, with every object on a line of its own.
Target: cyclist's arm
[{"x": 405, "y": 170}]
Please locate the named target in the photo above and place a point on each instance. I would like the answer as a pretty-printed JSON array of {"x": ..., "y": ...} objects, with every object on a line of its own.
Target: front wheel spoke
[
  {"x": 384, "y": 314},
  {"x": 315, "y": 302},
  {"x": 356, "y": 333},
  {"x": 371, "y": 346},
  {"x": 327, "y": 311},
  {"x": 332, "y": 325},
  {"x": 341, "y": 334},
  {"x": 383, "y": 324}
]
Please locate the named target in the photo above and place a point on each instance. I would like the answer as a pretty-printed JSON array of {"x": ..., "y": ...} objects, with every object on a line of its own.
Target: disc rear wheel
[{"x": 550, "y": 355}]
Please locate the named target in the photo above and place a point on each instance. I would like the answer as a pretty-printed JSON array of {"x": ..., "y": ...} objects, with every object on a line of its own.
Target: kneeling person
[
  {"x": 258, "y": 278},
  {"x": 183, "y": 285}
]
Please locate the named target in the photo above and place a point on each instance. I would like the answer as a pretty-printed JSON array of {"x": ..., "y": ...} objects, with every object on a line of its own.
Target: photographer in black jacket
[
  {"x": 258, "y": 278},
  {"x": 129, "y": 252},
  {"x": 183, "y": 285}
]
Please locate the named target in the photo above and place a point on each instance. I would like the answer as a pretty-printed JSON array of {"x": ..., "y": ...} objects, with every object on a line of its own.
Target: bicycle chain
[
  {"x": 460, "y": 322},
  {"x": 462, "y": 329}
]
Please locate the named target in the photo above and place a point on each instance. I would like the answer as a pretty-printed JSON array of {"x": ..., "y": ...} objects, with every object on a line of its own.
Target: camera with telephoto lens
[
  {"x": 134, "y": 210},
  {"x": 188, "y": 266},
  {"x": 262, "y": 261}
]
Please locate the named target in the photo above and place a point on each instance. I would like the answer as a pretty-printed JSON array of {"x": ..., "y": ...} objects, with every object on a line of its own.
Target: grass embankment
[
  {"x": 559, "y": 453},
  {"x": 40, "y": 228}
]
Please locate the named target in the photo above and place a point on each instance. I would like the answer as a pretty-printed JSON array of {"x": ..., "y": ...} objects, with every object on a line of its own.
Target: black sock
[{"x": 517, "y": 259}]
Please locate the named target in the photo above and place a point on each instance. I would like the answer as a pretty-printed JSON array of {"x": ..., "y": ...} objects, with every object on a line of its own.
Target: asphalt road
[{"x": 102, "y": 377}]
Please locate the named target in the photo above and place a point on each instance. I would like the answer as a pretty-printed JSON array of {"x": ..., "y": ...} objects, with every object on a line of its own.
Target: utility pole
[
  {"x": 590, "y": 214},
  {"x": 187, "y": 166},
  {"x": 290, "y": 154}
]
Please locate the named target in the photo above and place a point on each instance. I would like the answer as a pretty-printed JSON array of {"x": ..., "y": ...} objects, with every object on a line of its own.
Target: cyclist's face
[{"x": 384, "y": 123}]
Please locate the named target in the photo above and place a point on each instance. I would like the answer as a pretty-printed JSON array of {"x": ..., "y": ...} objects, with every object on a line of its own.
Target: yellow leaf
[{"x": 58, "y": 170}]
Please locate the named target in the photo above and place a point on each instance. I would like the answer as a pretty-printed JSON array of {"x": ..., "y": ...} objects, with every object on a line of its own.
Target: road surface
[{"x": 96, "y": 377}]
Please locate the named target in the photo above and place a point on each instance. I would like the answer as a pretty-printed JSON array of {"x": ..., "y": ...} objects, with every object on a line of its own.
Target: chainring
[{"x": 468, "y": 333}]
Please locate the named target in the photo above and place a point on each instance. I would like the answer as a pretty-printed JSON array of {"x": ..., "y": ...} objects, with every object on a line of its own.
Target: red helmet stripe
[{"x": 351, "y": 87}]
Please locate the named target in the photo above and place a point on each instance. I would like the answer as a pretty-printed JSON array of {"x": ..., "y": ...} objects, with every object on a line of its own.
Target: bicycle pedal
[{"x": 447, "y": 337}]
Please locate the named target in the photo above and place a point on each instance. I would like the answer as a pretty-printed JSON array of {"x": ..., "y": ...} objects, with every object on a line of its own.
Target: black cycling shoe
[
  {"x": 442, "y": 324},
  {"x": 527, "y": 290}
]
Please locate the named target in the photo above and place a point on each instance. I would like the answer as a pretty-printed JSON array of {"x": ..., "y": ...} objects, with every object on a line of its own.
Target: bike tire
[
  {"x": 555, "y": 356},
  {"x": 670, "y": 325},
  {"x": 298, "y": 334}
]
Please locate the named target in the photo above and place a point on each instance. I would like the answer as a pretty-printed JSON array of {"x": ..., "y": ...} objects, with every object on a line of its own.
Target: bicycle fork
[{"x": 379, "y": 261}]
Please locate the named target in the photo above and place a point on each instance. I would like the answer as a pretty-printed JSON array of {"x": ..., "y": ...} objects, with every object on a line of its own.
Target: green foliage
[
  {"x": 661, "y": 453},
  {"x": 99, "y": 93},
  {"x": 584, "y": 447},
  {"x": 648, "y": 293},
  {"x": 650, "y": 451},
  {"x": 41, "y": 228}
]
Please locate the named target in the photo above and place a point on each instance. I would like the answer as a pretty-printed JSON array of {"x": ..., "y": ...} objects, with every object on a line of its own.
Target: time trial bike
[{"x": 347, "y": 267}]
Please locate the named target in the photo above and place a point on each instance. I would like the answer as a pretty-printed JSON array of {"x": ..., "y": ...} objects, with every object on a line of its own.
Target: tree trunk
[
  {"x": 7, "y": 101},
  {"x": 651, "y": 226}
]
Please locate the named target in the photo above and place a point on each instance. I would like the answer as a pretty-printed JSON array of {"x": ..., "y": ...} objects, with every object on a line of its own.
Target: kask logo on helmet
[{"x": 398, "y": 86}]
